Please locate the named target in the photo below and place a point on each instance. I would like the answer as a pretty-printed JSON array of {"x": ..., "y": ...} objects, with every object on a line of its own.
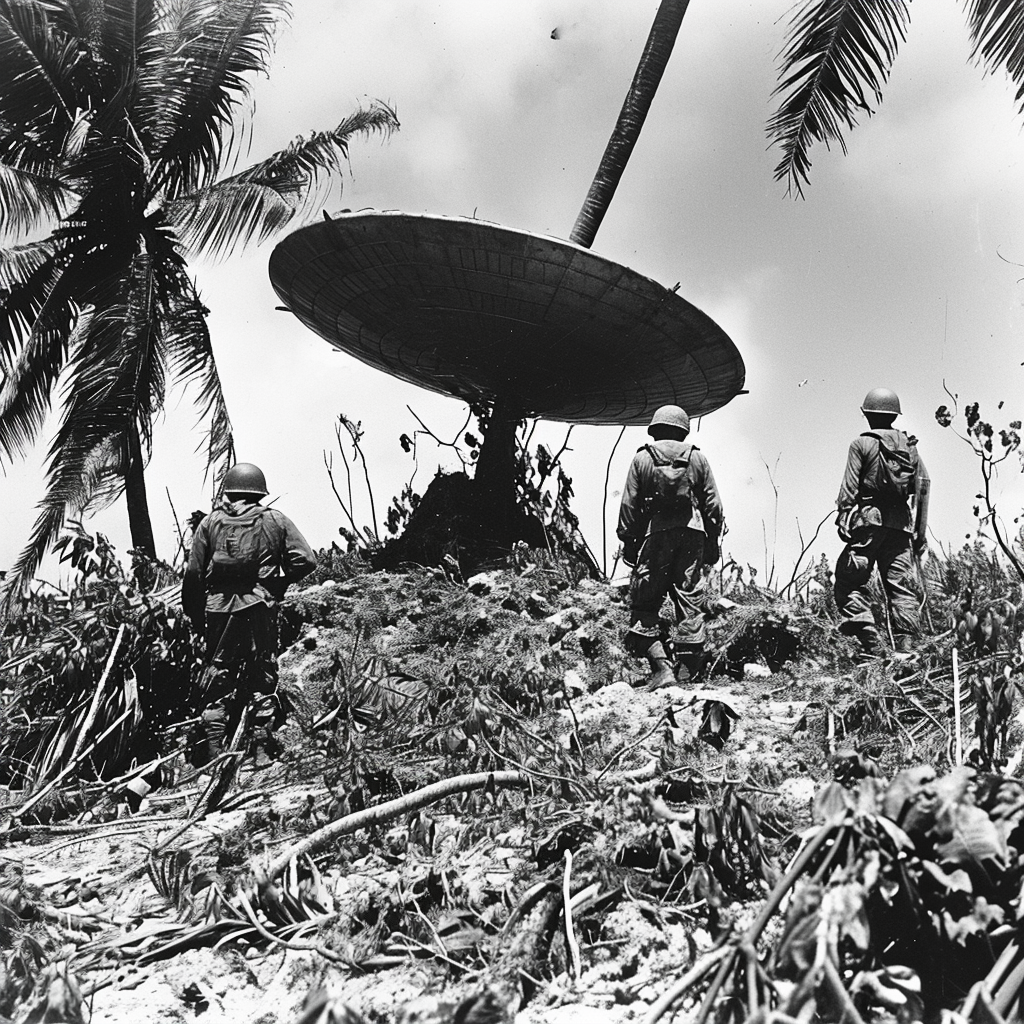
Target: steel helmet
[
  {"x": 245, "y": 478},
  {"x": 670, "y": 416},
  {"x": 881, "y": 400}
]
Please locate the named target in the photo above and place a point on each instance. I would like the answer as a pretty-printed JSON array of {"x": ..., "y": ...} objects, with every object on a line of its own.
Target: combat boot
[
  {"x": 661, "y": 668},
  {"x": 690, "y": 663},
  {"x": 215, "y": 725}
]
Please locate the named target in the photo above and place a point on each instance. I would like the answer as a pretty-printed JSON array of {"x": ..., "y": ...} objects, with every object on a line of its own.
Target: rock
[
  {"x": 755, "y": 671},
  {"x": 573, "y": 681},
  {"x": 482, "y": 583}
]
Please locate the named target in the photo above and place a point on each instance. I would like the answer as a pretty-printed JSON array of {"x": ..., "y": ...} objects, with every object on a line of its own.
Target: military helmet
[
  {"x": 670, "y": 416},
  {"x": 881, "y": 400},
  {"x": 245, "y": 478}
]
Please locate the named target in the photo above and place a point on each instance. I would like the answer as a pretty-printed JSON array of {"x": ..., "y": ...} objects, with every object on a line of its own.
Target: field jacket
[
  {"x": 862, "y": 507},
  {"x": 285, "y": 557},
  {"x": 635, "y": 518}
]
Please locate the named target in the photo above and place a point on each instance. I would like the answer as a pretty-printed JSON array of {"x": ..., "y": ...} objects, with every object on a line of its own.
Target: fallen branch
[
  {"x": 100, "y": 686},
  {"x": 570, "y": 934},
  {"x": 380, "y": 813}
]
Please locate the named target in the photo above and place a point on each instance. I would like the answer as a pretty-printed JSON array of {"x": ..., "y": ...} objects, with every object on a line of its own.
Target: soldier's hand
[
  {"x": 712, "y": 548},
  {"x": 843, "y": 525},
  {"x": 630, "y": 552},
  {"x": 920, "y": 546}
]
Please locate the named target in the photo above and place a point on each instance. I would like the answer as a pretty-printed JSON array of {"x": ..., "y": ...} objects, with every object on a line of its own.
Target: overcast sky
[{"x": 903, "y": 267}]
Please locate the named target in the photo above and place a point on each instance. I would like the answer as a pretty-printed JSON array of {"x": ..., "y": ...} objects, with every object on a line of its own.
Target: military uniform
[
  {"x": 239, "y": 614},
  {"x": 670, "y": 547},
  {"x": 880, "y": 529}
]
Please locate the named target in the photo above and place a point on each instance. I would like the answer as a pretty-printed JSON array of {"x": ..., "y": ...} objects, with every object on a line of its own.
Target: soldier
[
  {"x": 883, "y": 519},
  {"x": 670, "y": 521},
  {"x": 243, "y": 557}
]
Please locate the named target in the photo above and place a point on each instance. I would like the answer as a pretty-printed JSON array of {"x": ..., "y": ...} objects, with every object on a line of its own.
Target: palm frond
[
  {"x": 997, "y": 34},
  {"x": 36, "y": 59},
  {"x": 227, "y": 215},
  {"x": 187, "y": 125},
  {"x": 29, "y": 199},
  {"x": 88, "y": 454},
  {"x": 29, "y": 379},
  {"x": 837, "y": 57},
  {"x": 186, "y": 340},
  {"x": 264, "y": 198},
  {"x": 27, "y": 275}
]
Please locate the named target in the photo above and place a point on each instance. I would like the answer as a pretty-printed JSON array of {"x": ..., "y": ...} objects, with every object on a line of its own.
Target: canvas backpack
[
  {"x": 671, "y": 482},
  {"x": 238, "y": 548},
  {"x": 896, "y": 466}
]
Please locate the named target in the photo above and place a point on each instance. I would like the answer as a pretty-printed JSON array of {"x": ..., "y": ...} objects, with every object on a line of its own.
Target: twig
[
  {"x": 804, "y": 550},
  {"x": 95, "y": 705},
  {"x": 604, "y": 503},
  {"x": 632, "y": 746},
  {"x": 958, "y": 752},
  {"x": 684, "y": 984},
  {"x": 570, "y": 935},
  {"x": 835, "y": 983},
  {"x": 454, "y": 445},
  {"x": 312, "y": 947},
  {"x": 329, "y": 466},
  {"x": 392, "y": 809},
  {"x": 177, "y": 526}
]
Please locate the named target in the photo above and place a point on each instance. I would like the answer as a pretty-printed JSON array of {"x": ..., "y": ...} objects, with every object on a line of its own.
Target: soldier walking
[
  {"x": 883, "y": 519},
  {"x": 670, "y": 521},
  {"x": 244, "y": 555}
]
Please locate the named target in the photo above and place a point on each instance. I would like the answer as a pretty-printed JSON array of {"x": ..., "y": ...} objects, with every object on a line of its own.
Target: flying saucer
[{"x": 487, "y": 313}]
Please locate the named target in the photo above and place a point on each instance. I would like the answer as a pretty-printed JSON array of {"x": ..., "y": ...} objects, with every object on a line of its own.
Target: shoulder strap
[{"x": 663, "y": 460}]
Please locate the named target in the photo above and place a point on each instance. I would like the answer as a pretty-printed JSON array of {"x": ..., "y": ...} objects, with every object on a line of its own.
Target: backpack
[
  {"x": 238, "y": 549},
  {"x": 671, "y": 484},
  {"x": 896, "y": 467}
]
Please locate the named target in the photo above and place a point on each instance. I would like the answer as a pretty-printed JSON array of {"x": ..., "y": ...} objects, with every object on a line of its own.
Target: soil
[{"x": 104, "y": 910}]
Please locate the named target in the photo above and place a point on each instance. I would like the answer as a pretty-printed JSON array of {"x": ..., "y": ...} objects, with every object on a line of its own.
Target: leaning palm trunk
[{"x": 631, "y": 120}]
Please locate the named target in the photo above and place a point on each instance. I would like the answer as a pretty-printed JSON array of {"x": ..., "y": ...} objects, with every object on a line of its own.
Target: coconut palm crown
[
  {"x": 838, "y": 56},
  {"x": 118, "y": 119}
]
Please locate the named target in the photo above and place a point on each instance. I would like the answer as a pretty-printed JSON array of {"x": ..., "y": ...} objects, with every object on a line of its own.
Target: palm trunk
[
  {"x": 496, "y": 472},
  {"x": 139, "y": 520},
  {"x": 631, "y": 120}
]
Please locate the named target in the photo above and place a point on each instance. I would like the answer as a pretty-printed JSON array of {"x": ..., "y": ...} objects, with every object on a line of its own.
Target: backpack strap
[{"x": 663, "y": 460}]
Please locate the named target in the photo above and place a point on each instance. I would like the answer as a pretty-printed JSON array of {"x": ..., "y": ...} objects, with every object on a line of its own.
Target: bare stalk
[
  {"x": 380, "y": 813},
  {"x": 804, "y": 550},
  {"x": 604, "y": 503}
]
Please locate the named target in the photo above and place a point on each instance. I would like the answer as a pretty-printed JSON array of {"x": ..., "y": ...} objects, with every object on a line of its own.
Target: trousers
[
  {"x": 670, "y": 565},
  {"x": 892, "y": 552},
  {"x": 241, "y": 669}
]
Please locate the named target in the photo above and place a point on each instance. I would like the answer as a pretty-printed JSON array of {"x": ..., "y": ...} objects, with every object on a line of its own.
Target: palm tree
[
  {"x": 116, "y": 118},
  {"x": 838, "y": 55}
]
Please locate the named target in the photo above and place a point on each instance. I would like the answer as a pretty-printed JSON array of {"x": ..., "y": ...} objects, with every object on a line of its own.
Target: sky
[{"x": 903, "y": 267}]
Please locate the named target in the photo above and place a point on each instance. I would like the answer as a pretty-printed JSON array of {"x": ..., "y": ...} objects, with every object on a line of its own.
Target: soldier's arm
[
  {"x": 850, "y": 487},
  {"x": 709, "y": 501},
  {"x": 193, "y": 586},
  {"x": 297, "y": 560},
  {"x": 922, "y": 493},
  {"x": 632, "y": 518}
]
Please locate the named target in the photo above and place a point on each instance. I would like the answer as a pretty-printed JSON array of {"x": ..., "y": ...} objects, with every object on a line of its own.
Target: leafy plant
[{"x": 97, "y": 674}]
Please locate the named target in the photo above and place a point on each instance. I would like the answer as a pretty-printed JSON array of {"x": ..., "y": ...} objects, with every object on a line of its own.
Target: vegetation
[
  {"x": 116, "y": 123},
  {"x": 837, "y": 59},
  {"x": 471, "y": 788}
]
